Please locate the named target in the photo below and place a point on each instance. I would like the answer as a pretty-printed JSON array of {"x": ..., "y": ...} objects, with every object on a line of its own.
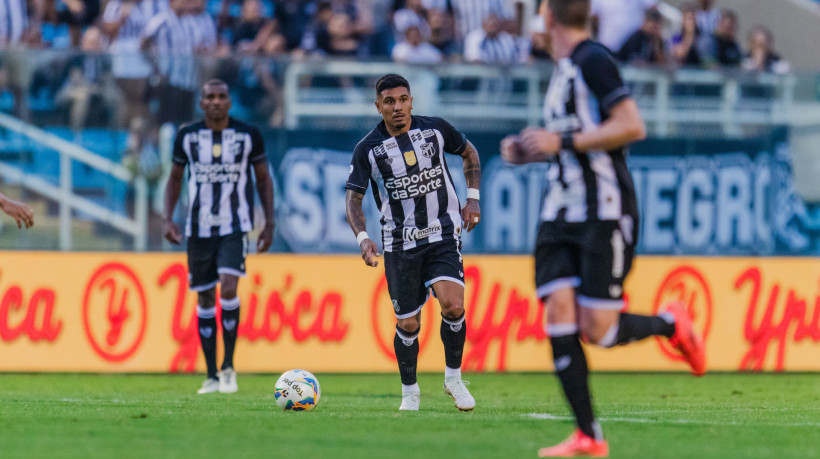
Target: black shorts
[
  {"x": 410, "y": 273},
  {"x": 593, "y": 257},
  {"x": 208, "y": 257}
]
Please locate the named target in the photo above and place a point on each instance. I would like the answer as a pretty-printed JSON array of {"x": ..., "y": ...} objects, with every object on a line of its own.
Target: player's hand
[
  {"x": 470, "y": 214},
  {"x": 171, "y": 232},
  {"x": 20, "y": 212},
  {"x": 539, "y": 144},
  {"x": 512, "y": 150},
  {"x": 369, "y": 252},
  {"x": 265, "y": 238}
]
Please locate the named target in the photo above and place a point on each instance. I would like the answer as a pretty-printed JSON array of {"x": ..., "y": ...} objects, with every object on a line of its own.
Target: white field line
[{"x": 552, "y": 417}]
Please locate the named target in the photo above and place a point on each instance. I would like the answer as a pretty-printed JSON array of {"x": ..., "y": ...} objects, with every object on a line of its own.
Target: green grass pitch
[{"x": 643, "y": 415}]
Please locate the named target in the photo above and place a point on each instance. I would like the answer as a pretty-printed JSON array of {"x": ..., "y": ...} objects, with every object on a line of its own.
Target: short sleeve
[
  {"x": 454, "y": 140},
  {"x": 257, "y": 147},
  {"x": 179, "y": 156},
  {"x": 359, "y": 177},
  {"x": 603, "y": 78}
]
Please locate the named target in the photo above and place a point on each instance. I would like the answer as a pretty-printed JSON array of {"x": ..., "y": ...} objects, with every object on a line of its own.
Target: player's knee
[
  {"x": 207, "y": 299},
  {"x": 409, "y": 324},
  {"x": 228, "y": 292},
  {"x": 452, "y": 308},
  {"x": 594, "y": 330}
]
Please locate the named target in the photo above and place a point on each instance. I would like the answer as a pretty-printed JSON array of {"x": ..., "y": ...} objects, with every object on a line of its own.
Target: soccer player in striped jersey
[
  {"x": 403, "y": 160},
  {"x": 589, "y": 218},
  {"x": 220, "y": 153}
]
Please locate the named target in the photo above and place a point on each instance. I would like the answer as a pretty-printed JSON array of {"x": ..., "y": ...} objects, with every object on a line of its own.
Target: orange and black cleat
[
  {"x": 686, "y": 340},
  {"x": 578, "y": 444}
]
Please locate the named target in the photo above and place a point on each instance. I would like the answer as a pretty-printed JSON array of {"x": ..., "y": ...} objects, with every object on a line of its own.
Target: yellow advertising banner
[{"x": 115, "y": 312}]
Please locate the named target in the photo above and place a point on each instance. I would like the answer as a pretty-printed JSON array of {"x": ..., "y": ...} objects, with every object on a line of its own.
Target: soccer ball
[{"x": 297, "y": 390}]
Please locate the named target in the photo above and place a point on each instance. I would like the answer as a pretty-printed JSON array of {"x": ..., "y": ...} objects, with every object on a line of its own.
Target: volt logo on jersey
[{"x": 410, "y": 157}]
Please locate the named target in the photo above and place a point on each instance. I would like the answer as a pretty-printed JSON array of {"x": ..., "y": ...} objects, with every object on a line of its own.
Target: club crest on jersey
[
  {"x": 410, "y": 157},
  {"x": 428, "y": 150},
  {"x": 217, "y": 150}
]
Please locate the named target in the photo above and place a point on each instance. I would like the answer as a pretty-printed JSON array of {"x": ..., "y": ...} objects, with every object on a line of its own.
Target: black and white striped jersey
[
  {"x": 595, "y": 185},
  {"x": 220, "y": 186},
  {"x": 410, "y": 180}
]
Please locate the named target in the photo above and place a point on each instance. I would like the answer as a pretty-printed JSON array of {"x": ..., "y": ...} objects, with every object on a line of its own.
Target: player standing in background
[
  {"x": 403, "y": 159},
  {"x": 589, "y": 218},
  {"x": 220, "y": 153},
  {"x": 20, "y": 212}
]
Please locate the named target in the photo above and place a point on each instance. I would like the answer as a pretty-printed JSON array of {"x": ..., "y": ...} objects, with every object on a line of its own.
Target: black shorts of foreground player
[
  {"x": 220, "y": 153},
  {"x": 589, "y": 218},
  {"x": 403, "y": 160}
]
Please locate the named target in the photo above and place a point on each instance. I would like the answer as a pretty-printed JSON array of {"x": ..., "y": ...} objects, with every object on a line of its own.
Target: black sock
[
  {"x": 571, "y": 368},
  {"x": 633, "y": 327},
  {"x": 207, "y": 338},
  {"x": 230, "y": 325},
  {"x": 453, "y": 335},
  {"x": 406, "y": 345}
]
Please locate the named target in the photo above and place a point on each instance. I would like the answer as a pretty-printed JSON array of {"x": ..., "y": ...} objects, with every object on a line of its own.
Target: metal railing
[
  {"x": 64, "y": 194},
  {"x": 671, "y": 101}
]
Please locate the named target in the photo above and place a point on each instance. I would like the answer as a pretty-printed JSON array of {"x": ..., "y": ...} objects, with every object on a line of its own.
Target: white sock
[
  {"x": 452, "y": 372},
  {"x": 412, "y": 388}
]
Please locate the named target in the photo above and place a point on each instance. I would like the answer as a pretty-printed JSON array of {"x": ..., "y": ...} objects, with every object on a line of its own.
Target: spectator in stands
[
  {"x": 15, "y": 68},
  {"x": 613, "y": 21},
  {"x": 360, "y": 15},
  {"x": 725, "y": 49},
  {"x": 124, "y": 22},
  {"x": 539, "y": 38},
  {"x": 341, "y": 40},
  {"x": 413, "y": 14},
  {"x": 470, "y": 15},
  {"x": 414, "y": 49},
  {"x": 685, "y": 49},
  {"x": 646, "y": 46},
  {"x": 201, "y": 26},
  {"x": 442, "y": 31},
  {"x": 78, "y": 14},
  {"x": 761, "y": 56},
  {"x": 171, "y": 48},
  {"x": 251, "y": 31},
  {"x": 261, "y": 81},
  {"x": 294, "y": 18},
  {"x": 90, "y": 84},
  {"x": 491, "y": 45},
  {"x": 707, "y": 16}
]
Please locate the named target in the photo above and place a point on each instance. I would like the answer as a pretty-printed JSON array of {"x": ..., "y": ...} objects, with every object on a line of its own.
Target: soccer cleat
[
  {"x": 686, "y": 341},
  {"x": 578, "y": 444},
  {"x": 457, "y": 389},
  {"x": 410, "y": 401},
  {"x": 208, "y": 386},
  {"x": 227, "y": 381}
]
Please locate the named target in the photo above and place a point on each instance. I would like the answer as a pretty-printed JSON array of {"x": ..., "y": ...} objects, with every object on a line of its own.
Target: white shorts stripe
[
  {"x": 231, "y": 271},
  {"x": 550, "y": 287},
  {"x": 202, "y": 288},
  {"x": 443, "y": 278},
  {"x": 411, "y": 314},
  {"x": 598, "y": 303}
]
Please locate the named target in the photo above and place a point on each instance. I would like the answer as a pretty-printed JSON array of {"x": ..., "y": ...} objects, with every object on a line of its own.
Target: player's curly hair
[{"x": 390, "y": 81}]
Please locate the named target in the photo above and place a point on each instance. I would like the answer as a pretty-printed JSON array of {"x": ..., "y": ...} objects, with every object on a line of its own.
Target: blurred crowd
[{"x": 135, "y": 57}]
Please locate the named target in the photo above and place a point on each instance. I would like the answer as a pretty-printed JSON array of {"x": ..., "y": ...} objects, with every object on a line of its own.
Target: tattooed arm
[
  {"x": 471, "y": 212},
  {"x": 355, "y": 216}
]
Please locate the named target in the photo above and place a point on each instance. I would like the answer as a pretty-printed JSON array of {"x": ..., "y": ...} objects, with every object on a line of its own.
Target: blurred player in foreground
[
  {"x": 403, "y": 159},
  {"x": 220, "y": 153},
  {"x": 589, "y": 218}
]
